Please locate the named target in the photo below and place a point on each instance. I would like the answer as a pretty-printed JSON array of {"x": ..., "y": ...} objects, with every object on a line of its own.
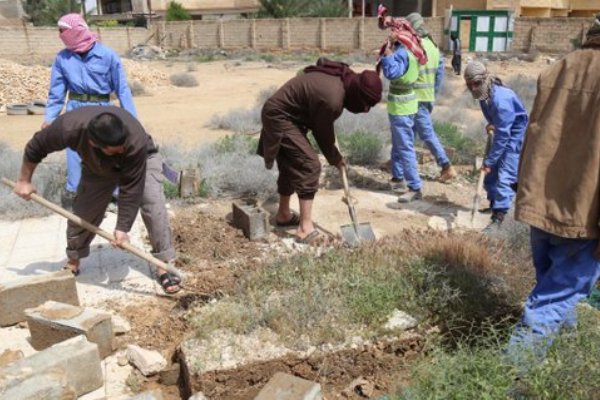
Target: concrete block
[
  {"x": 54, "y": 322},
  {"x": 288, "y": 387},
  {"x": 149, "y": 362},
  {"x": 52, "y": 385},
  {"x": 77, "y": 358},
  {"x": 251, "y": 219},
  {"x": 120, "y": 325},
  {"x": 8, "y": 356},
  {"x": 149, "y": 395},
  {"x": 20, "y": 294}
]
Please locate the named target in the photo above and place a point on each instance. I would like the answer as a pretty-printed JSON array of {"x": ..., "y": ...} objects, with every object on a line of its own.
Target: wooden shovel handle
[{"x": 96, "y": 230}]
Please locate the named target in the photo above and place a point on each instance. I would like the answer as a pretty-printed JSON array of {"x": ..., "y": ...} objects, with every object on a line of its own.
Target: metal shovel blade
[{"x": 363, "y": 232}]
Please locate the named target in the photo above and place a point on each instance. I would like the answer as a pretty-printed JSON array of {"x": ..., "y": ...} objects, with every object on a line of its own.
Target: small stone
[
  {"x": 361, "y": 387},
  {"x": 122, "y": 360},
  {"x": 198, "y": 396},
  {"x": 149, "y": 362},
  {"x": 120, "y": 325},
  {"x": 399, "y": 320}
]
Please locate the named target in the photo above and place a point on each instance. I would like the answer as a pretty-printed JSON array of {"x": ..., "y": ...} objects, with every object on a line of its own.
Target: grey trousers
[{"x": 93, "y": 196}]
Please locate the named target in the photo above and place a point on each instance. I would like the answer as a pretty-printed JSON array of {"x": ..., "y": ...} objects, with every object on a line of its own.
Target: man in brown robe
[
  {"x": 115, "y": 150},
  {"x": 312, "y": 102}
]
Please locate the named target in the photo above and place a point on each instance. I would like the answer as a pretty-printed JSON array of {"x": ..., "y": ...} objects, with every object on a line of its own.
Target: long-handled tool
[
  {"x": 479, "y": 190},
  {"x": 98, "y": 231},
  {"x": 355, "y": 233}
]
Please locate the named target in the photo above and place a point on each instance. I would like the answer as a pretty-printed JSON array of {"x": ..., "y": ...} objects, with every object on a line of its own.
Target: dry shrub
[{"x": 183, "y": 80}]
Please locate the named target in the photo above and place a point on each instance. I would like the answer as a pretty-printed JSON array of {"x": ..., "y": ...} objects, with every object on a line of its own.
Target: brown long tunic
[
  {"x": 311, "y": 101},
  {"x": 128, "y": 170}
]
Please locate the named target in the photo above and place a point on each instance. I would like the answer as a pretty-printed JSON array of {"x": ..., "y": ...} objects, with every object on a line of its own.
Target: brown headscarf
[{"x": 363, "y": 90}]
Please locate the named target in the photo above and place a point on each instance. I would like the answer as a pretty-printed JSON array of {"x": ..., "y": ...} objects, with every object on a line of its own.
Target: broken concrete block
[
  {"x": 51, "y": 385},
  {"x": 251, "y": 219},
  {"x": 9, "y": 356},
  {"x": 149, "y": 362},
  {"x": 170, "y": 375},
  {"x": 77, "y": 358},
  {"x": 149, "y": 395},
  {"x": 288, "y": 387},
  {"x": 20, "y": 294},
  {"x": 54, "y": 322},
  {"x": 399, "y": 320}
]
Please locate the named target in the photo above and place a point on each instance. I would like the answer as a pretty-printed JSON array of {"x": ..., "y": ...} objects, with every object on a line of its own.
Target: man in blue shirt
[
  {"x": 505, "y": 113},
  {"x": 89, "y": 72}
]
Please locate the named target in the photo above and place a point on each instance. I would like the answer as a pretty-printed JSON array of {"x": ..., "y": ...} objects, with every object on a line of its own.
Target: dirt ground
[{"x": 213, "y": 252}]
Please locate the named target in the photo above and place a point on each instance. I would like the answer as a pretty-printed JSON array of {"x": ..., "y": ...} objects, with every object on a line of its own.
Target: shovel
[
  {"x": 354, "y": 233},
  {"x": 479, "y": 190},
  {"x": 98, "y": 231}
]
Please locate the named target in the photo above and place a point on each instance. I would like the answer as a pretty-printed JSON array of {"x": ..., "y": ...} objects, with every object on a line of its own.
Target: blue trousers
[
  {"x": 424, "y": 129},
  {"x": 498, "y": 182},
  {"x": 403, "y": 157},
  {"x": 566, "y": 272},
  {"x": 73, "y": 159}
]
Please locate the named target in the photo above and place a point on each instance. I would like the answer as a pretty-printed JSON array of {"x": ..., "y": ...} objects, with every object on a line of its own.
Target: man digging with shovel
[
  {"x": 311, "y": 101},
  {"x": 115, "y": 150}
]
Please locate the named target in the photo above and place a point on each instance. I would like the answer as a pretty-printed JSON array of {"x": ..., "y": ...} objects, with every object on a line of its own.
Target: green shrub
[
  {"x": 361, "y": 148},
  {"x": 466, "y": 148},
  {"x": 241, "y": 144},
  {"x": 170, "y": 189},
  {"x": 108, "y": 23},
  {"x": 176, "y": 12}
]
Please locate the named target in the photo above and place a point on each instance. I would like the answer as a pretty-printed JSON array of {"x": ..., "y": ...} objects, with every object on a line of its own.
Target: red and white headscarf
[
  {"x": 405, "y": 33},
  {"x": 76, "y": 34}
]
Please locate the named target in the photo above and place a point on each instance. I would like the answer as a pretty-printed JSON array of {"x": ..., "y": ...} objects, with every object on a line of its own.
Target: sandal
[
  {"x": 293, "y": 221},
  {"x": 169, "y": 280},
  {"x": 309, "y": 239},
  {"x": 75, "y": 272}
]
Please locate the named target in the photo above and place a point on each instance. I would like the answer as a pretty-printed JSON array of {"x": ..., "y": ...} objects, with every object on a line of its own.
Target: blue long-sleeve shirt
[
  {"x": 99, "y": 71},
  {"x": 439, "y": 75},
  {"x": 395, "y": 65},
  {"x": 506, "y": 112}
]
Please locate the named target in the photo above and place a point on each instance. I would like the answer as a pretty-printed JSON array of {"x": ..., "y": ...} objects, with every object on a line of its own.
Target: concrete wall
[{"x": 554, "y": 35}]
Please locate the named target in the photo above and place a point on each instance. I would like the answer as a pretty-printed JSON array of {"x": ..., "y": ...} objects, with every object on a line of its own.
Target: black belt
[{"x": 88, "y": 97}]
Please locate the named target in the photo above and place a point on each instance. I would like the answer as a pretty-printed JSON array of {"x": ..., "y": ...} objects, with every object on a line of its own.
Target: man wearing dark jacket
[
  {"x": 115, "y": 150},
  {"x": 559, "y": 195},
  {"x": 311, "y": 101}
]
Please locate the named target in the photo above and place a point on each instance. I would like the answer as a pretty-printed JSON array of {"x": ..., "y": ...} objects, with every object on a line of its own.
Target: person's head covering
[
  {"x": 477, "y": 74},
  {"x": 453, "y": 35},
  {"x": 363, "y": 90},
  {"x": 75, "y": 33},
  {"x": 418, "y": 23},
  {"x": 407, "y": 36},
  {"x": 593, "y": 34}
]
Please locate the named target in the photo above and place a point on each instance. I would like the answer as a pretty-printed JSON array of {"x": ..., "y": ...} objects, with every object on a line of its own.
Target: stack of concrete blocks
[
  {"x": 54, "y": 322},
  {"x": 64, "y": 371},
  {"x": 18, "y": 295},
  {"x": 251, "y": 219}
]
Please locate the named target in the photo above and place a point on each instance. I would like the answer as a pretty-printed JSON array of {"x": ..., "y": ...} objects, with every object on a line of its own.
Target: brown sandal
[
  {"x": 311, "y": 238},
  {"x": 293, "y": 221}
]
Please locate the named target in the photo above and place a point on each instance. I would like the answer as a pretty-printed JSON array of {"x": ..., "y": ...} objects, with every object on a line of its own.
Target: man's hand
[
  {"x": 597, "y": 251},
  {"x": 24, "y": 189},
  {"x": 45, "y": 125},
  {"x": 389, "y": 48},
  {"x": 120, "y": 238},
  {"x": 486, "y": 169},
  {"x": 489, "y": 128},
  {"x": 341, "y": 164}
]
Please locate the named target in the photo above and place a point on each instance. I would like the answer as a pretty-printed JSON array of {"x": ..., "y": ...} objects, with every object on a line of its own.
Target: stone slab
[
  {"x": 54, "y": 322},
  {"x": 29, "y": 292},
  {"x": 51, "y": 385},
  {"x": 76, "y": 357},
  {"x": 288, "y": 387}
]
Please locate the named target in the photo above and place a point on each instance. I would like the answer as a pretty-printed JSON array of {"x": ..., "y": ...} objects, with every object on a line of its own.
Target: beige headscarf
[{"x": 477, "y": 72}]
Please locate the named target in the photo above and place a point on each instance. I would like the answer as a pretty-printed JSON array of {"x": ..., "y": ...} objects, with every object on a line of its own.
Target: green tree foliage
[
  {"x": 176, "y": 12},
  {"x": 301, "y": 8},
  {"x": 48, "y": 12}
]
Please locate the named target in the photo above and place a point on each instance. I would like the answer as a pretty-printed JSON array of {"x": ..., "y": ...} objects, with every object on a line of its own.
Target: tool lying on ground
[
  {"x": 355, "y": 233},
  {"x": 479, "y": 190},
  {"x": 98, "y": 231}
]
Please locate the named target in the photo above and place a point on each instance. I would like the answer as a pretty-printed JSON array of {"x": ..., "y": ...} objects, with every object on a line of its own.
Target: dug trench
[{"x": 214, "y": 255}]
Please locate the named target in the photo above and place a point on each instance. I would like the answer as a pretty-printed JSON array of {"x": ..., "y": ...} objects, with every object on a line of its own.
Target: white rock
[
  {"x": 399, "y": 320},
  {"x": 120, "y": 325},
  {"x": 198, "y": 396},
  {"x": 438, "y": 224},
  {"x": 149, "y": 362}
]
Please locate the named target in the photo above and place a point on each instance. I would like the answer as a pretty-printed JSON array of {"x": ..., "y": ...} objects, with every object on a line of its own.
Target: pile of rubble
[
  {"x": 21, "y": 83},
  {"x": 24, "y": 83}
]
